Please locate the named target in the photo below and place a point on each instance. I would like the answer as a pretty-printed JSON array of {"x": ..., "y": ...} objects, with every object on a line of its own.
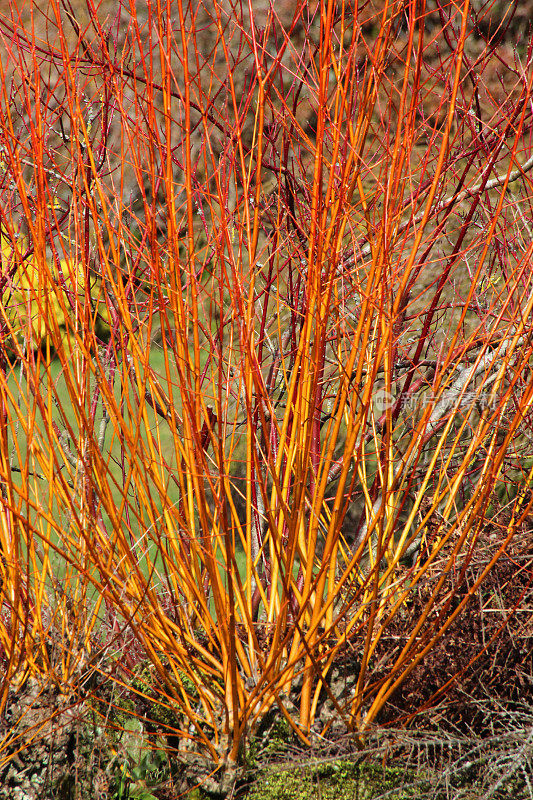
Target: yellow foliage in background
[{"x": 47, "y": 300}]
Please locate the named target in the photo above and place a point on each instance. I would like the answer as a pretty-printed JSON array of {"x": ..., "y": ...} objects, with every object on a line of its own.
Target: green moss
[{"x": 336, "y": 780}]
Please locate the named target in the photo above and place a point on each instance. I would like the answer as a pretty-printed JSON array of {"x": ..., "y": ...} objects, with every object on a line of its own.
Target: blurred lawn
[{"x": 43, "y": 501}]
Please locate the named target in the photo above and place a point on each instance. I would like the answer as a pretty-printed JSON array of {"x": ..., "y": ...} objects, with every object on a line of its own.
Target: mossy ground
[{"x": 335, "y": 780}]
